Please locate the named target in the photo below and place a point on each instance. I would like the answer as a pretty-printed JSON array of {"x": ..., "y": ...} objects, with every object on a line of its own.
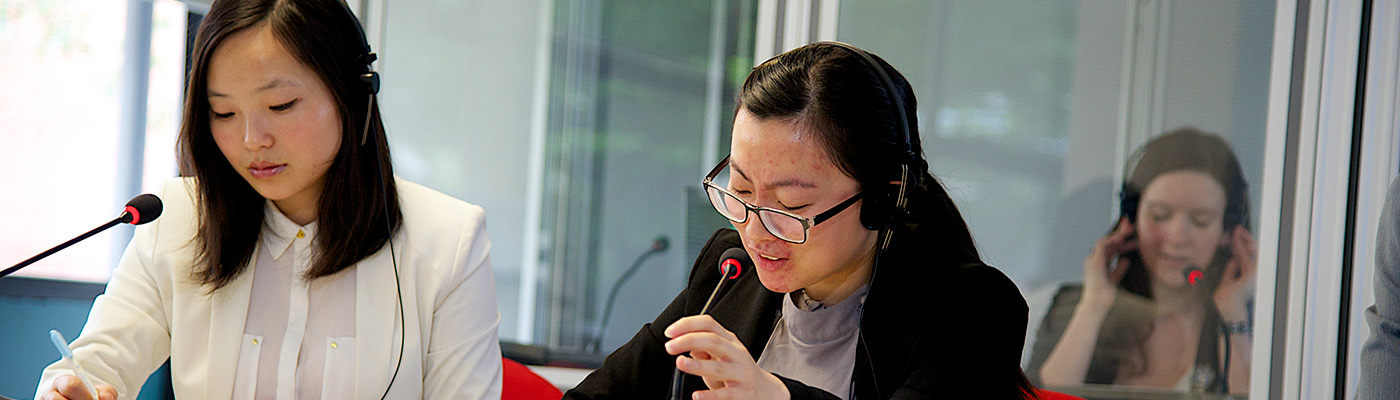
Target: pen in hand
[{"x": 67, "y": 354}]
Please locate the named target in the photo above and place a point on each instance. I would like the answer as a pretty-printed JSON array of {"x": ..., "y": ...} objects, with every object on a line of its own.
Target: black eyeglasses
[{"x": 782, "y": 224}]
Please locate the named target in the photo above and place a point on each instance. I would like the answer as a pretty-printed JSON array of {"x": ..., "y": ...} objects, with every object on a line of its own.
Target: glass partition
[{"x": 1034, "y": 116}]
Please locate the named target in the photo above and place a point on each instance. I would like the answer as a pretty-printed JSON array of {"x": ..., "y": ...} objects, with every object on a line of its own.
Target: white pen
[{"x": 63, "y": 349}]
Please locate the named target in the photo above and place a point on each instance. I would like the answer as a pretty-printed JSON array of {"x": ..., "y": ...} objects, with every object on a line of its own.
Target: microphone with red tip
[
  {"x": 141, "y": 209},
  {"x": 1194, "y": 276},
  {"x": 731, "y": 266}
]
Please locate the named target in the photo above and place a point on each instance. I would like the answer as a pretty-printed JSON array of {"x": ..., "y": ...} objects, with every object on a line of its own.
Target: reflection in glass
[
  {"x": 1166, "y": 294},
  {"x": 1029, "y": 112}
]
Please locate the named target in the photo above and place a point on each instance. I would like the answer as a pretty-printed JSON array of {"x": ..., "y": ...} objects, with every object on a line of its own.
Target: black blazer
[{"x": 933, "y": 330}]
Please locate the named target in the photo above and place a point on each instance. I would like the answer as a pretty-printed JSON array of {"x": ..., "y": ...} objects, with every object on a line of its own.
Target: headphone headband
[
  {"x": 877, "y": 213},
  {"x": 897, "y": 101},
  {"x": 370, "y": 78}
]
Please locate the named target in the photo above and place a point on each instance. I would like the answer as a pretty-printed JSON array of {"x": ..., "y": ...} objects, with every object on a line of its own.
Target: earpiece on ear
[
  {"x": 879, "y": 210},
  {"x": 371, "y": 81},
  {"x": 1128, "y": 203},
  {"x": 872, "y": 211},
  {"x": 876, "y": 206}
]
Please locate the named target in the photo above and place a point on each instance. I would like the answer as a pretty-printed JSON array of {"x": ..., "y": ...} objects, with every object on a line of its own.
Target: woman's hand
[
  {"x": 1101, "y": 283},
  {"x": 1068, "y": 363},
  {"x": 1237, "y": 282},
  {"x": 717, "y": 356},
  {"x": 68, "y": 387}
]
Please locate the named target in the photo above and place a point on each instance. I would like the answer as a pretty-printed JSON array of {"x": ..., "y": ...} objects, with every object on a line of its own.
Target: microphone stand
[
  {"x": 124, "y": 218},
  {"x": 658, "y": 247}
]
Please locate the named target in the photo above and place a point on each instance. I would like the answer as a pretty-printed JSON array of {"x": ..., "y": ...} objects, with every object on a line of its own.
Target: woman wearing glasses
[{"x": 867, "y": 282}]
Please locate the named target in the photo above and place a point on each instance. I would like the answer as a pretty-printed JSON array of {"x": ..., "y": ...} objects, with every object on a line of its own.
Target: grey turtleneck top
[{"x": 814, "y": 343}]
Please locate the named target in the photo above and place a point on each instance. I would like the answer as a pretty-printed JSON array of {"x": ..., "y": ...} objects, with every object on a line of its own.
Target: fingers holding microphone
[{"x": 717, "y": 356}]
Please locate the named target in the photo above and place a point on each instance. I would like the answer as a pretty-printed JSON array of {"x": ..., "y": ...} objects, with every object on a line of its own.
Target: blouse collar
[{"x": 279, "y": 232}]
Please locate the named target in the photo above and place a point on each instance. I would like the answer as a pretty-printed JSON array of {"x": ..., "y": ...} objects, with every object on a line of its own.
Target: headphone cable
[
  {"x": 860, "y": 320},
  {"x": 398, "y": 286}
]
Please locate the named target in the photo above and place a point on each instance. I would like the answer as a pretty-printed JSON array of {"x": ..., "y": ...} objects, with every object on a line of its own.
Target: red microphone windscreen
[
  {"x": 731, "y": 263},
  {"x": 1194, "y": 276}
]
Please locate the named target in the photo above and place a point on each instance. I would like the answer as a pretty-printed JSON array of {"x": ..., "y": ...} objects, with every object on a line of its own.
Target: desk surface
[{"x": 562, "y": 377}]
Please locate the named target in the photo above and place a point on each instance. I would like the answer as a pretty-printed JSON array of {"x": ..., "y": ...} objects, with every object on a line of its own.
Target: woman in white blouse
[{"x": 289, "y": 263}]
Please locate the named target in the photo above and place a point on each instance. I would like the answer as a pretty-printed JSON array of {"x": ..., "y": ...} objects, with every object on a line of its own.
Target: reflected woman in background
[
  {"x": 1165, "y": 299},
  {"x": 818, "y": 161}
]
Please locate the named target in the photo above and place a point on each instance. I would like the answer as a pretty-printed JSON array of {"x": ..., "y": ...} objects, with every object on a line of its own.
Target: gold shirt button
[
  {"x": 300, "y": 234},
  {"x": 332, "y": 345},
  {"x": 255, "y": 341}
]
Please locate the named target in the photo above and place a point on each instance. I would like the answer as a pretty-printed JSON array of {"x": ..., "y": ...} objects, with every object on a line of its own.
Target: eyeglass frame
[{"x": 807, "y": 223}]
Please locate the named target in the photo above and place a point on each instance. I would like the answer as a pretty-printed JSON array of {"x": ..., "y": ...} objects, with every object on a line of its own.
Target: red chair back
[{"x": 520, "y": 383}]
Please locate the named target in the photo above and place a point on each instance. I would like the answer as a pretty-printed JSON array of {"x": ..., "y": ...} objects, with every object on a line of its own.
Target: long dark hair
[
  {"x": 352, "y": 225},
  {"x": 1184, "y": 149},
  {"x": 830, "y": 90}
]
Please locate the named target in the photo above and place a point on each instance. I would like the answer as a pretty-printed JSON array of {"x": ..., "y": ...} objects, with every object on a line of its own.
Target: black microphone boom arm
[
  {"x": 65, "y": 245},
  {"x": 139, "y": 210}
]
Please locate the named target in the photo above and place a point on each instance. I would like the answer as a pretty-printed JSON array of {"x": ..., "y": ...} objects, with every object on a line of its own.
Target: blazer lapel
[
  {"x": 228, "y": 314},
  {"x": 750, "y": 311},
  {"x": 377, "y": 322}
]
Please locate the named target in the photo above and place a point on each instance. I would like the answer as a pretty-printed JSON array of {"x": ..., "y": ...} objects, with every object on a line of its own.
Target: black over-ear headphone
[
  {"x": 882, "y": 206},
  {"x": 370, "y": 81}
]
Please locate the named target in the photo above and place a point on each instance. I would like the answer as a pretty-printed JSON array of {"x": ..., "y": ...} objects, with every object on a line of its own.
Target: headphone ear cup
[
  {"x": 1238, "y": 214},
  {"x": 370, "y": 80},
  {"x": 872, "y": 209},
  {"x": 876, "y": 207},
  {"x": 1128, "y": 203}
]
